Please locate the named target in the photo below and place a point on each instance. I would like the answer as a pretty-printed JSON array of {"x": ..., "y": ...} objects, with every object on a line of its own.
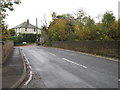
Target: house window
[
  {"x": 19, "y": 30},
  {"x": 25, "y": 29},
  {"x": 34, "y": 29}
]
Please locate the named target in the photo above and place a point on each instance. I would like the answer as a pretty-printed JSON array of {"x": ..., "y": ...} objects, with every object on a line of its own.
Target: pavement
[{"x": 13, "y": 72}]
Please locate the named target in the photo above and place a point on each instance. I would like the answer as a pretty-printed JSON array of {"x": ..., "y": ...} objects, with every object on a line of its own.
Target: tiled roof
[{"x": 25, "y": 25}]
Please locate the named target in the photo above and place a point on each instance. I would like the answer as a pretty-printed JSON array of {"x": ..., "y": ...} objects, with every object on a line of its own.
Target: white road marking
[
  {"x": 28, "y": 63},
  {"x": 43, "y": 47},
  {"x": 52, "y": 54},
  {"x": 89, "y": 54},
  {"x": 30, "y": 67},
  {"x": 74, "y": 63},
  {"x": 72, "y": 54},
  {"x": 30, "y": 78},
  {"x": 118, "y": 80},
  {"x": 67, "y": 52}
]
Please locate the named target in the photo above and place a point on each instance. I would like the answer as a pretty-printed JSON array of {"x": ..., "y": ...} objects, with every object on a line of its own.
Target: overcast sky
[{"x": 32, "y": 9}]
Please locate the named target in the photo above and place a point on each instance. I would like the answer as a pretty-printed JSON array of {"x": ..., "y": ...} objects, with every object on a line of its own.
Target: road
[{"x": 59, "y": 68}]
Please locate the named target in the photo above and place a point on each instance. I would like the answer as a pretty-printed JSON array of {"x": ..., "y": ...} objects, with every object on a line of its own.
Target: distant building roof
[
  {"x": 72, "y": 20},
  {"x": 25, "y": 25}
]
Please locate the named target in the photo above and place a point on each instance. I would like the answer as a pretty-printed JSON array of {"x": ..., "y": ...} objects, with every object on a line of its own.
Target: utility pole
[{"x": 36, "y": 30}]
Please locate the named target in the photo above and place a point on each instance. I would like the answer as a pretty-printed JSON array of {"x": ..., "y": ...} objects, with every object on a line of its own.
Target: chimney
[{"x": 28, "y": 21}]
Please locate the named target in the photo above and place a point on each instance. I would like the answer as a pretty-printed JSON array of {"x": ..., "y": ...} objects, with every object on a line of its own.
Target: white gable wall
[{"x": 29, "y": 30}]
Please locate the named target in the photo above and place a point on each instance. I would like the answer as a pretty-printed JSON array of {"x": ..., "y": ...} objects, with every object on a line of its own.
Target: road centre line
[
  {"x": 89, "y": 54},
  {"x": 67, "y": 52},
  {"x": 72, "y": 54},
  {"x": 74, "y": 63},
  {"x": 52, "y": 54}
]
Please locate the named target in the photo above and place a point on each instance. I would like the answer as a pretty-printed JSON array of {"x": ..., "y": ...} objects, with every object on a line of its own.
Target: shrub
[
  {"x": 38, "y": 43},
  {"x": 18, "y": 40},
  {"x": 48, "y": 43},
  {"x": 29, "y": 37},
  {"x": 12, "y": 38}
]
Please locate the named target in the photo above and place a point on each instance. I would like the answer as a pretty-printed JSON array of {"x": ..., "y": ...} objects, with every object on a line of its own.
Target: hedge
[{"x": 29, "y": 37}]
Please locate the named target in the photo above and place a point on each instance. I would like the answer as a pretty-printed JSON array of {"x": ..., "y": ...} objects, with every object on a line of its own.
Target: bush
[
  {"x": 29, "y": 37},
  {"x": 38, "y": 43},
  {"x": 48, "y": 43},
  {"x": 12, "y": 38},
  {"x": 18, "y": 40}
]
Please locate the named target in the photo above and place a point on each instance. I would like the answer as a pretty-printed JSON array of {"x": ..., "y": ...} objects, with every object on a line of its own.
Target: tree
[
  {"x": 61, "y": 28},
  {"x": 114, "y": 32},
  {"x": 56, "y": 30},
  {"x": 107, "y": 21},
  {"x": 80, "y": 15},
  {"x": 85, "y": 28},
  {"x": 11, "y": 32},
  {"x": 44, "y": 32},
  {"x": 4, "y": 32},
  {"x": 108, "y": 18},
  {"x": 4, "y": 5},
  {"x": 54, "y": 14}
]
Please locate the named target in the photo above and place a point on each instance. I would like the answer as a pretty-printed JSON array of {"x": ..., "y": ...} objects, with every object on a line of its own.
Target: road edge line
[{"x": 30, "y": 73}]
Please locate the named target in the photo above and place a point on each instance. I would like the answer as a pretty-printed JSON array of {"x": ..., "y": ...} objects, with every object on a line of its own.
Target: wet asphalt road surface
[{"x": 59, "y": 68}]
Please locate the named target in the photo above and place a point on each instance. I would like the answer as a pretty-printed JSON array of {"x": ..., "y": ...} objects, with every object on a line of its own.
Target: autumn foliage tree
[
  {"x": 83, "y": 27},
  {"x": 12, "y": 32},
  {"x": 60, "y": 28},
  {"x": 4, "y": 6},
  {"x": 4, "y": 32},
  {"x": 114, "y": 31}
]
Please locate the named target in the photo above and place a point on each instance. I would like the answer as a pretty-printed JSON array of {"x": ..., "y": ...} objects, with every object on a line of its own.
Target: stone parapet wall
[
  {"x": 106, "y": 48},
  {"x": 0, "y": 52},
  {"x": 5, "y": 49}
]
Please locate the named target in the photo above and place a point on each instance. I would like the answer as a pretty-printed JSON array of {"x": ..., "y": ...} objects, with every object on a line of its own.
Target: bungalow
[{"x": 26, "y": 28}]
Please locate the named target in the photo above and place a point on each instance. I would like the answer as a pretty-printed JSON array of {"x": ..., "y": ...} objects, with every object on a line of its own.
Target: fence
[
  {"x": 5, "y": 50},
  {"x": 106, "y": 48}
]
